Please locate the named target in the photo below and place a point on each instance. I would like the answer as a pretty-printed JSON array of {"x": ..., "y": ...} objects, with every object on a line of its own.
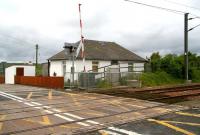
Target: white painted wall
[
  {"x": 10, "y": 73},
  {"x": 57, "y": 67},
  {"x": 103, "y": 64},
  {"x": 123, "y": 64},
  {"x": 138, "y": 67}
]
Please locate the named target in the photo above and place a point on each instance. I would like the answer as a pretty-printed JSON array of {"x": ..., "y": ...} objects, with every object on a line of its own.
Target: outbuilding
[{"x": 18, "y": 70}]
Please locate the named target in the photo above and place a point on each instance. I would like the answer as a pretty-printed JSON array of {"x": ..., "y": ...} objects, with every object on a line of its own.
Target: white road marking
[
  {"x": 93, "y": 122},
  {"x": 72, "y": 115},
  {"x": 8, "y": 97},
  {"x": 36, "y": 103},
  {"x": 28, "y": 104},
  {"x": 83, "y": 124},
  {"x": 56, "y": 110},
  {"x": 12, "y": 95},
  {"x": 37, "y": 107},
  {"x": 123, "y": 131},
  {"x": 47, "y": 107},
  {"x": 68, "y": 114},
  {"x": 48, "y": 111},
  {"x": 19, "y": 101},
  {"x": 63, "y": 117}
]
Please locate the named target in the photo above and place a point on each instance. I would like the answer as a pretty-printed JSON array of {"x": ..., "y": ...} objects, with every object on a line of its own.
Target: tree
[
  {"x": 155, "y": 61},
  {"x": 174, "y": 65}
]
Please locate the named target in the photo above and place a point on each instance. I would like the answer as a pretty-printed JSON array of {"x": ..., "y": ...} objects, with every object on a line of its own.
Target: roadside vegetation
[
  {"x": 159, "y": 78},
  {"x": 104, "y": 84},
  {"x": 39, "y": 70},
  {"x": 170, "y": 69}
]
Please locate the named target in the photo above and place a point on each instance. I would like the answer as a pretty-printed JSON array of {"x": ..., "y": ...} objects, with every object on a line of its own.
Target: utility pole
[
  {"x": 36, "y": 59},
  {"x": 186, "y": 45}
]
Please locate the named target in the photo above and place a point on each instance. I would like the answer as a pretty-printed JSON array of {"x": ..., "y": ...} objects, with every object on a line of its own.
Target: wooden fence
[
  {"x": 2, "y": 79},
  {"x": 47, "y": 82}
]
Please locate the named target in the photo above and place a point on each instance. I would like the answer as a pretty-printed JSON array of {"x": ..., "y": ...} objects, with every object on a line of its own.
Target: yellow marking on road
[
  {"x": 46, "y": 120},
  {"x": 33, "y": 121},
  {"x": 103, "y": 132},
  {"x": 135, "y": 105},
  {"x": 69, "y": 126},
  {"x": 71, "y": 94},
  {"x": 184, "y": 123},
  {"x": 117, "y": 103},
  {"x": 79, "y": 96},
  {"x": 77, "y": 103},
  {"x": 188, "y": 114},
  {"x": 171, "y": 126},
  {"x": 29, "y": 95},
  {"x": 50, "y": 95},
  {"x": 1, "y": 124}
]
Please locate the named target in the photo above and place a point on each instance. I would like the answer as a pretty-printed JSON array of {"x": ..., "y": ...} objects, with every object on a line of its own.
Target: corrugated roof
[{"x": 101, "y": 50}]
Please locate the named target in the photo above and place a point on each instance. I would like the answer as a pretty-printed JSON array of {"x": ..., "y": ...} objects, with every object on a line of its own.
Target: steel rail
[{"x": 178, "y": 96}]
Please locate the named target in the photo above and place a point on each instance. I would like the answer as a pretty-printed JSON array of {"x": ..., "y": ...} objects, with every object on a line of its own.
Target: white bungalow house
[{"x": 99, "y": 56}]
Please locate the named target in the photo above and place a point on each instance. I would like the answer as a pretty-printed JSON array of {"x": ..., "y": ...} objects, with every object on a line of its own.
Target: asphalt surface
[
  {"x": 186, "y": 122},
  {"x": 31, "y": 110}
]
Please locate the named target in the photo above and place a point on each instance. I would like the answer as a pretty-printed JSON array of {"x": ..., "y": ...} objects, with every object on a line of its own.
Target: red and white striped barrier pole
[{"x": 82, "y": 39}]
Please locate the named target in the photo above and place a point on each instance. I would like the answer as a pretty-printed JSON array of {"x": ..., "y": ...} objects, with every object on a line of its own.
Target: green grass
[
  {"x": 158, "y": 79},
  {"x": 196, "y": 76},
  {"x": 104, "y": 84}
]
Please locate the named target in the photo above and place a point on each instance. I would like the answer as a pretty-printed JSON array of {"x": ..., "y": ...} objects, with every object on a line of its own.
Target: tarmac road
[{"x": 32, "y": 110}]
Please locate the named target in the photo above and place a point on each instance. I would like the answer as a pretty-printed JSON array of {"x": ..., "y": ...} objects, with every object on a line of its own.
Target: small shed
[{"x": 18, "y": 70}]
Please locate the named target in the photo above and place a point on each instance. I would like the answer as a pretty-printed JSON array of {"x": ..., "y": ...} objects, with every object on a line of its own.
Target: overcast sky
[{"x": 50, "y": 23}]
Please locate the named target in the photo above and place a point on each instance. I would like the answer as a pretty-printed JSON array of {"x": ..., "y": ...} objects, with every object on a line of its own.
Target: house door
[{"x": 19, "y": 71}]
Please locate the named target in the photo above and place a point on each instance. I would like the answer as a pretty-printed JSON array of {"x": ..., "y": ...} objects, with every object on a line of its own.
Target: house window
[
  {"x": 130, "y": 67},
  {"x": 114, "y": 62},
  {"x": 95, "y": 65}
]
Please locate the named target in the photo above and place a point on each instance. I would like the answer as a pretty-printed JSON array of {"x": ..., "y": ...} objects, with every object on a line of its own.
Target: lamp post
[{"x": 71, "y": 49}]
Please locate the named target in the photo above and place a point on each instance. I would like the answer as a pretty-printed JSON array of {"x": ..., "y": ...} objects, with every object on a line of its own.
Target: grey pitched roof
[{"x": 100, "y": 50}]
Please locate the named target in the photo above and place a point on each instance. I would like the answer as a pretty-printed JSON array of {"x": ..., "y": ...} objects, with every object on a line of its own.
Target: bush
[
  {"x": 158, "y": 78},
  {"x": 104, "y": 84},
  {"x": 195, "y": 75},
  {"x": 123, "y": 80},
  {"x": 129, "y": 76}
]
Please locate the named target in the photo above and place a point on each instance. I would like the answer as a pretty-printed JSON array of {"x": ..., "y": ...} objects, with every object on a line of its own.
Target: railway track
[{"x": 165, "y": 95}]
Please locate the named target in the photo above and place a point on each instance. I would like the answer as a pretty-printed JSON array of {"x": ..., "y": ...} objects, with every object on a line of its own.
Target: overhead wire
[
  {"x": 158, "y": 7},
  {"x": 181, "y": 4},
  {"x": 196, "y": 16},
  {"x": 194, "y": 27},
  {"x": 162, "y": 8}
]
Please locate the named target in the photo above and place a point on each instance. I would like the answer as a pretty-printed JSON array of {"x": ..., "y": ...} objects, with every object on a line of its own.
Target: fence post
[
  {"x": 104, "y": 69},
  {"x": 87, "y": 80}
]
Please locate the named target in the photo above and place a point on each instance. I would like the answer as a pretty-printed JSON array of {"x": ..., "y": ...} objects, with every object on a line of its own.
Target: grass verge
[{"x": 158, "y": 79}]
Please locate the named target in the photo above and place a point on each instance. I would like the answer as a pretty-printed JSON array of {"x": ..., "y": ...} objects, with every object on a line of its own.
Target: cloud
[{"x": 50, "y": 23}]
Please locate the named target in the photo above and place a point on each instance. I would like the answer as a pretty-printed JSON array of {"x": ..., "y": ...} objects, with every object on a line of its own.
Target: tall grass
[{"x": 158, "y": 78}]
